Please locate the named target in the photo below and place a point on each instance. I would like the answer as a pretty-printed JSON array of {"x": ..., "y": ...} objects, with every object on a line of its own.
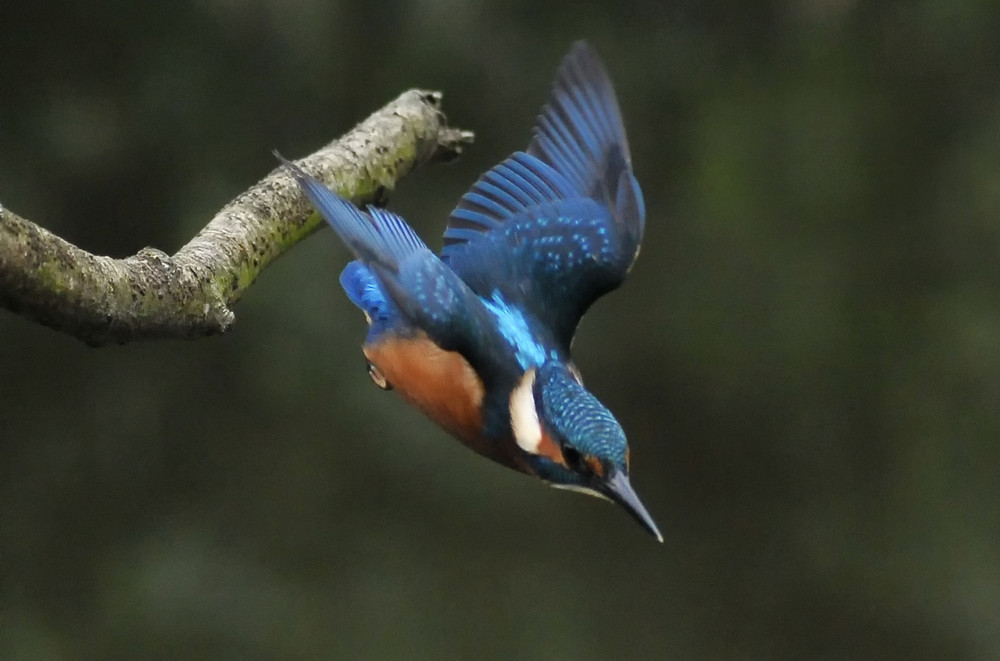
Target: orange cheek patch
[
  {"x": 549, "y": 448},
  {"x": 595, "y": 465},
  {"x": 440, "y": 383}
]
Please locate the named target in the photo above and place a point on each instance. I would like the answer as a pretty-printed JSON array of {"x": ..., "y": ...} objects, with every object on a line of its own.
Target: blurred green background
[{"x": 806, "y": 357}]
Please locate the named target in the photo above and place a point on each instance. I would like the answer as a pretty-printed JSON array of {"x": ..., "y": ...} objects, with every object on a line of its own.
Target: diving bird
[{"x": 479, "y": 337}]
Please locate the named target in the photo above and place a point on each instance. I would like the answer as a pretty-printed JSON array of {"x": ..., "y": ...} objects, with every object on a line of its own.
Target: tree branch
[{"x": 151, "y": 295}]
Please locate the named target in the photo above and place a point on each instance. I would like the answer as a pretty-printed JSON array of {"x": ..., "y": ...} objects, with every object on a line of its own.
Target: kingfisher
[{"x": 478, "y": 337}]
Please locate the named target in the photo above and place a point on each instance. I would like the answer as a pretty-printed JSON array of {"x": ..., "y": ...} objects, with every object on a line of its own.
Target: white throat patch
[
  {"x": 581, "y": 489},
  {"x": 523, "y": 416}
]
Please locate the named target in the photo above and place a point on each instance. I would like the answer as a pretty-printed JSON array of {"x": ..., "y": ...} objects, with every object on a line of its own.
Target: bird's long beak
[{"x": 618, "y": 489}]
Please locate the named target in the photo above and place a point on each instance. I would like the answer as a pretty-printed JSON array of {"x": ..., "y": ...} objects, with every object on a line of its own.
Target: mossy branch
[{"x": 152, "y": 295}]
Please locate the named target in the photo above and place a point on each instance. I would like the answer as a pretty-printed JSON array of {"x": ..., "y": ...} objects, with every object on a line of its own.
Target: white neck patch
[{"x": 523, "y": 416}]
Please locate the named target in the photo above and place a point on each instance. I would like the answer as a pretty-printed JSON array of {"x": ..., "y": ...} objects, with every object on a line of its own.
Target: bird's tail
[{"x": 374, "y": 236}]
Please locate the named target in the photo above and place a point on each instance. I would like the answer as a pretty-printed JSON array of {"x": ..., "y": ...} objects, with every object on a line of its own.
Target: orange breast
[{"x": 440, "y": 383}]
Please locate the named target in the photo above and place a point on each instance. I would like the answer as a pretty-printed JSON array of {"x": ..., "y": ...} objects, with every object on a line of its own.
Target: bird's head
[{"x": 571, "y": 440}]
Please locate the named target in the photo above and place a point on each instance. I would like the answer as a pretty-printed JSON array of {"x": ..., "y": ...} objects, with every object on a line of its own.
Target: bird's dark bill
[{"x": 619, "y": 490}]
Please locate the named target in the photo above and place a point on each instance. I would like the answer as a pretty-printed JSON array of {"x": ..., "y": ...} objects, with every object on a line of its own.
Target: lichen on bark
[{"x": 190, "y": 294}]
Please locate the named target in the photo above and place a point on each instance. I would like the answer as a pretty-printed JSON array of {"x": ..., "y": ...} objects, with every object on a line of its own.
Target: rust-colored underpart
[{"x": 442, "y": 385}]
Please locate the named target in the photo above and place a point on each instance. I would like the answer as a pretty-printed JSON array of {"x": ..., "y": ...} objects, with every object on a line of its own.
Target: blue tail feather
[{"x": 374, "y": 236}]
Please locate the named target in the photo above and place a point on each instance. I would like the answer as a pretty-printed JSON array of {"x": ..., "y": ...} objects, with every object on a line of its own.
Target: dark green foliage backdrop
[{"x": 806, "y": 357}]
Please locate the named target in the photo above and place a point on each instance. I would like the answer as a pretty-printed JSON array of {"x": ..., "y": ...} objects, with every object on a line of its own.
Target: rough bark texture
[{"x": 150, "y": 295}]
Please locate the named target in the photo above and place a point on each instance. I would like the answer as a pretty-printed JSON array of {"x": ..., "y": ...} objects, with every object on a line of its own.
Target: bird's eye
[{"x": 572, "y": 457}]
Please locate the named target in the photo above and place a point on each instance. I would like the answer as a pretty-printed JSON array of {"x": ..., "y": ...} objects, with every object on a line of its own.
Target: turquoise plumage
[{"x": 479, "y": 337}]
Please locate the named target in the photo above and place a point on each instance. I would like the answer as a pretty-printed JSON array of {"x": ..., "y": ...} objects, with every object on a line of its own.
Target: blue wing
[
  {"x": 398, "y": 280},
  {"x": 555, "y": 227}
]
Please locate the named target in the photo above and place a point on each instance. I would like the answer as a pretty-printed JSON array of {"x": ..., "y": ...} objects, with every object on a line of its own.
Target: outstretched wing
[
  {"x": 428, "y": 293},
  {"x": 554, "y": 228}
]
